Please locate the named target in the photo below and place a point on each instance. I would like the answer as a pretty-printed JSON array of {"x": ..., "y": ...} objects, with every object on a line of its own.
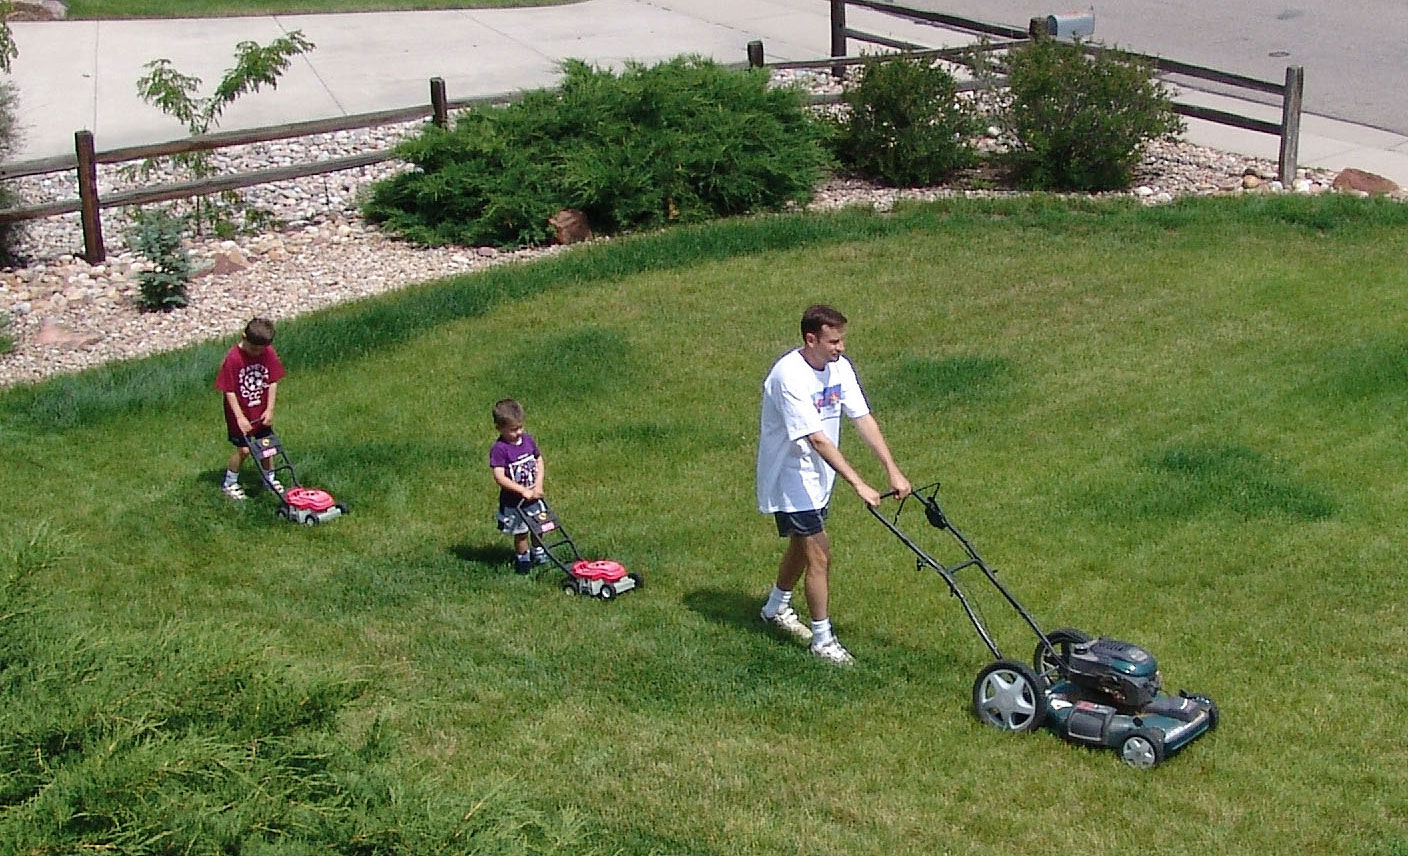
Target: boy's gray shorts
[{"x": 511, "y": 523}]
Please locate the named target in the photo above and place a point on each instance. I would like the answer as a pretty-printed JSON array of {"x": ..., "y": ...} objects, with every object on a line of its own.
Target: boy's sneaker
[
  {"x": 540, "y": 556},
  {"x": 233, "y": 491},
  {"x": 833, "y": 650},
  {"x": 276, "y": 485},
  {"x": 786, "y": 619},
  {"x": 523, "y": 565}
]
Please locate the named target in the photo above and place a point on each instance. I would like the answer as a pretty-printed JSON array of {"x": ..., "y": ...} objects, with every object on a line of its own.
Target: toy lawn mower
[
  {"x": 297, "y": 504},
  {"x": 1095, "y": 692},
  {"x": 601, "y": 578}
]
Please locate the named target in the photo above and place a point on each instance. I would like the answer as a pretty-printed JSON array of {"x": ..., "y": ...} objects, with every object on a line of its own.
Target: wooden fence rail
[
  {"x": 85, "y": 159},
  {"x": 1291, "y": 92}
]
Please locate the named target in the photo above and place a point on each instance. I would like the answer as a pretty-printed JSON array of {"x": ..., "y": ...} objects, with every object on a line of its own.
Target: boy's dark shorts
[
  {"x": 239, "y": 441},
  {"x": 801, "y": 523}
]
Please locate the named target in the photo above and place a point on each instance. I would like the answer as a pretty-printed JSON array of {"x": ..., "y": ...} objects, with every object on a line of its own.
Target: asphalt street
[{"x": 1354, "y": 52}]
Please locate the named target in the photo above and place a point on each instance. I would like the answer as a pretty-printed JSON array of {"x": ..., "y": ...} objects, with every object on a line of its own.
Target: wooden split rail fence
[
  {"x": 85, "y": 159},
  {"x": 85, "y": 162}
]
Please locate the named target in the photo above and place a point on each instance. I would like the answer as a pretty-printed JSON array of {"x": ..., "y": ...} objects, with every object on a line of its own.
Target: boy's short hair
[
  {"x": 259, "y": 331},
  {"x": 507, "y": 412},
  {"x": 819, "y": 316}
]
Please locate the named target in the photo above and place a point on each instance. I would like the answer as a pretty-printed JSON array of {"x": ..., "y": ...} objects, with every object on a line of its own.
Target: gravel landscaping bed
[{"x": 65, "y": 315}]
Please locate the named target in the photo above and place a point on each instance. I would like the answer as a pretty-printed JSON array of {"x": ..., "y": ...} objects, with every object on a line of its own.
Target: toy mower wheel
[
  {"x": 1050, "y": 663},
  {"x": 569, "y": 588},
  {"x": 608, "y": 591},
  {"x": 1143, "y": 749},
  {"x": 1008, "y": 695},
  {"x": 636, "y": 578}
]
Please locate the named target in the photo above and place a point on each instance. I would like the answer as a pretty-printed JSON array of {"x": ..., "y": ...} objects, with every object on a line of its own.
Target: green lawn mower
[{"x": 1098, "y": 692}]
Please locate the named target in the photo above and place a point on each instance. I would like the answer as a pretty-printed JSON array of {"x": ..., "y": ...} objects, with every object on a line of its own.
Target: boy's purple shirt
[{"x": 520, "y": 462}]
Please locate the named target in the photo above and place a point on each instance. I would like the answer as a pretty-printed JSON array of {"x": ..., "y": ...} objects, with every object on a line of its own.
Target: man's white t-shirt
[{"x": 799, "y": 401}]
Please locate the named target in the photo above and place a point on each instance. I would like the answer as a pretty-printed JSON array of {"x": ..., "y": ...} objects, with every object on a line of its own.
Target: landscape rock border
[{"x": 325, "y": 253}]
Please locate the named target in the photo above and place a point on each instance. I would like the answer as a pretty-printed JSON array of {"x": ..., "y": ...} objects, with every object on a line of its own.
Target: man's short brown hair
[
  {"x": 819, "y": 316},
  {"x": 259, "y": 331},
  {"x": 507, "y": 412}
]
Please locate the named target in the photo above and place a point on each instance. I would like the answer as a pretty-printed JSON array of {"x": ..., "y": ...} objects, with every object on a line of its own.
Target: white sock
[
  {"x": 777, "y": 599},
  {"x": 821, "y": 632},
  {"x": 231, "y": 477}
]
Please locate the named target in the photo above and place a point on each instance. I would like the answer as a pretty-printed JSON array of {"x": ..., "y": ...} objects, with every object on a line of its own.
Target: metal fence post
[
  {"x": 838, "y": 35},
  {"x": 1290, "y": 123},
  {"x": 439, "y": 107},
  {"x": 755, "y": 54},
  {"x": 93, "y": 250}
]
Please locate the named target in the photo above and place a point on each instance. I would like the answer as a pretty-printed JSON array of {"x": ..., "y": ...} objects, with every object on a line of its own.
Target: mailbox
[{"x": 1071, "y": 25}]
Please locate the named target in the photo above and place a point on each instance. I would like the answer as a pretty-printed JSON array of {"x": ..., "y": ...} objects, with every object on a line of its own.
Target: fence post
[
  {"x": 1036, "y": 29},
  {"x": 93, "y": 250},
  {"x": 1290, "y": 123},
  {"x": 755, "y": 54},
  {"x": 439, "y": 107},
  {"x": 838, "y": 34}
]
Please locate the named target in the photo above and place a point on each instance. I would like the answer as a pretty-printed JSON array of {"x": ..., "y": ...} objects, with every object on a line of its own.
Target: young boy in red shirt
[{"x": 249, "y": 379}]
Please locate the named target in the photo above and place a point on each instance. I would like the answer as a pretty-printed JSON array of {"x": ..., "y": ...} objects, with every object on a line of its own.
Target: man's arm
[
  {"x": 832, "y": 455},
  {"x": 869, "y": 431}
]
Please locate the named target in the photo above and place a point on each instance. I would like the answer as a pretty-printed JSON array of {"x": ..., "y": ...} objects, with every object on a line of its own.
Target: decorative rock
[
  {"x": 56, "y": 335},
  {"x": 570, "y": 226},
  {"x": 1251, "y": 181},
  {"x": 1366, "y": 182}
]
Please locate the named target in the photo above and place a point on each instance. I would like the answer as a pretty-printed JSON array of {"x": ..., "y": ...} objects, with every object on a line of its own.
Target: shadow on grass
[
  {"x": 729, "y": 608},
  {"x": 1185, "y": 481},
  {"x": 921, "y": 383},
  {"x": 493, "y": 557}
]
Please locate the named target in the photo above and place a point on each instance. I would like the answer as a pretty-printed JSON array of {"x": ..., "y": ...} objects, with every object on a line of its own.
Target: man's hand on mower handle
[
  {"x": 869, "y": 495},
  {"x": 900, "y": 486}
]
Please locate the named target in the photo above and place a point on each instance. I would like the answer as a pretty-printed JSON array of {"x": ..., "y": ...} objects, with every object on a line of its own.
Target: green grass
[
  {"x": 1182, "y": 426},
  {"x": 90, "y": 9}
]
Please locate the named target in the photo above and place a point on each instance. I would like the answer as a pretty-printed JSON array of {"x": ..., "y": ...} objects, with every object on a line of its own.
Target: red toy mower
[
  {"x": 603, "y": 578},
  {"x": 297, "y": 504}
]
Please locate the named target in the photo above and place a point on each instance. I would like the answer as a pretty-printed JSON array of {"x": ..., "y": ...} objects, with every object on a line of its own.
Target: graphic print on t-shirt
[
  {"x": 828, "y": 397},
  {"x": 523, "y": 470},
  {"x": 253, "y": 380}
]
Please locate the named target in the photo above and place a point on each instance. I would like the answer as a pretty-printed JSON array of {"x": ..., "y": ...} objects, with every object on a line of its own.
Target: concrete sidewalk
[{"x": 74, "y": 75}]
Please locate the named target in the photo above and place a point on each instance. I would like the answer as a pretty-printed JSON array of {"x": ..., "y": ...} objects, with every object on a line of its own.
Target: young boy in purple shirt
[{"x": 517, "y": 465}]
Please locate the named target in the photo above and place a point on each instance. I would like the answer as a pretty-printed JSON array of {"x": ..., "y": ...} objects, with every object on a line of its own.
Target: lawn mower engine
[{"x": 1122, "y": 671}]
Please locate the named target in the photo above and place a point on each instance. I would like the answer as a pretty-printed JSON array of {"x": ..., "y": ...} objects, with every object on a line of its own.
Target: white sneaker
[
  {"x": 233, "y": 491},
  {"x": 276, "y": 485},
  {"x": 786, "y": 619},
  {"x": 833, "y": 650}
]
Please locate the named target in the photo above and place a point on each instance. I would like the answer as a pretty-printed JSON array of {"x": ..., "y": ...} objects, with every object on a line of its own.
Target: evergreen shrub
[
  {"x": 682, "y": 141},
  {"x": 1080, "y": 122},
  {"x": 906, "y": 125},
  {"x": 157, "y": 236}
]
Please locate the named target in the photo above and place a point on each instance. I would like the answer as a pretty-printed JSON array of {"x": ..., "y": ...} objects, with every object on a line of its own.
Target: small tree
[
  {"x": 175, "y": 94},
  {"x": 906, "y": 126},
  {"x": 1078, "y": 122},
  {"x": 8, "y": 49}
]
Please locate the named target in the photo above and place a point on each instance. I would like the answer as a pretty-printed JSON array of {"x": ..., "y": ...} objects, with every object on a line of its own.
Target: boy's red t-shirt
[{"x": 249, "y": 378}]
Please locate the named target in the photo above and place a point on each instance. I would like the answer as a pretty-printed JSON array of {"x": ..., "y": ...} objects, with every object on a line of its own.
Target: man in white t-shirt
[{"x": 799, "y": 456}]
